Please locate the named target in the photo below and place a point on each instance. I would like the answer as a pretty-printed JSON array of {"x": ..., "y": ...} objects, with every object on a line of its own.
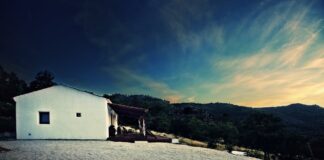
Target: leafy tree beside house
[
  {"x": 42, "y": 80},
  {"x": 11, "y": 86}
]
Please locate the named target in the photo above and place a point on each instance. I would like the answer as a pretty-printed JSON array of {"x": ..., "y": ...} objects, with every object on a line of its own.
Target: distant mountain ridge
[
  {"x": 307, "y": 119},
  {"x": 220, "y": 109},
  {"x": 301, "y": 118},
  {"x": 304, "y": 118}
]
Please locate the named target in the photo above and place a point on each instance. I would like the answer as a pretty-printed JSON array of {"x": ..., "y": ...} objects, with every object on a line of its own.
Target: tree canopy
[
  {"x": 11, "y": 86},
  {"x": 42, "y": 80}
]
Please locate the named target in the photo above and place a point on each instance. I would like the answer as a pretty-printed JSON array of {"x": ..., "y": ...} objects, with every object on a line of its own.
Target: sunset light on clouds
[{"x": 251, "y": 53}]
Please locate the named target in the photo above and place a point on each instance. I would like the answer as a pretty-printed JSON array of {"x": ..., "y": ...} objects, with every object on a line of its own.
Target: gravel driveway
[{"x": 62, "y": 149}]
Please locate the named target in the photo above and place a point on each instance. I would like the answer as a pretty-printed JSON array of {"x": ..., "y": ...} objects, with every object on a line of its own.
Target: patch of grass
[
  {"x": 217, "y": 146},
  {"x": 194, "y": 143},
  {"x": 255, "y": 153}
]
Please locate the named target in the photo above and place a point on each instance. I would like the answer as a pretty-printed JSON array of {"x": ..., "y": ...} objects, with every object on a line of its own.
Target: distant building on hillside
[{"x": 61, "y": 112}]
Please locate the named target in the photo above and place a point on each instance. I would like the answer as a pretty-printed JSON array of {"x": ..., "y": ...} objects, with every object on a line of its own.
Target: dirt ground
[{"x": 62, "y": 149}]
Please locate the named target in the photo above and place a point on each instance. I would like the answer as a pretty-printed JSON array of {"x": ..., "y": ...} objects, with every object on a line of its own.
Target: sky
[{"x": 256, "y": 53}]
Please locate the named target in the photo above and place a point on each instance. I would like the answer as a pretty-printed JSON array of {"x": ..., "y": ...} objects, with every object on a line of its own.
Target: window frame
[{"x": 40, "y": 120}]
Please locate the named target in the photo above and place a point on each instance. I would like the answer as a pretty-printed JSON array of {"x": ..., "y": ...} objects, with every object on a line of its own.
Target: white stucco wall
[
  {"x": 113, "y": 117},
  {"x": 63, "y": 103}
]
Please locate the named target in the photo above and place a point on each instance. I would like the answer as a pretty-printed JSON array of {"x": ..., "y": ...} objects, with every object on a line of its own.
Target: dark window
[
  {"x": 78, "y": 114},
  {"x": 44, "y": 118}
]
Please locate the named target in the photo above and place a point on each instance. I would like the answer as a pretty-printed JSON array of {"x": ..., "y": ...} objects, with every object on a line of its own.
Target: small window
[
  {"x": 78, "y": 114},
  {"x": 44, "y": 118}
]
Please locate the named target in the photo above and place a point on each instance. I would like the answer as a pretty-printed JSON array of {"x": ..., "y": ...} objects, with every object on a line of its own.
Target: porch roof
[{"x": 128, "y": 111}]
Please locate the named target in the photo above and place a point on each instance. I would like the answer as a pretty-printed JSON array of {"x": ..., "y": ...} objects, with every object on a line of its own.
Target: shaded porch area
[
  {"x": 132, "y": 137},
  {"x": 139, "y": 115}
]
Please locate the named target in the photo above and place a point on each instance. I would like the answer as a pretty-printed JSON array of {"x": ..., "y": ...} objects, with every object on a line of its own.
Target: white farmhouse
[{"x": 61, "y": 112}]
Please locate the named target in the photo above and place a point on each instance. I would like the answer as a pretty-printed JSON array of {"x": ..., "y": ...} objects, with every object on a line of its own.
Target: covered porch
[{"x": 139, "y": 115}]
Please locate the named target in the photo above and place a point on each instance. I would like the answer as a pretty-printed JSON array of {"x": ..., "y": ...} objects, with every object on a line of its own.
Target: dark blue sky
[{"x": 257, "y": 53}]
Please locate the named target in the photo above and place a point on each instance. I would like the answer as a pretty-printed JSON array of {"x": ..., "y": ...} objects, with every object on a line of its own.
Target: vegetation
[
  {"x": 231, "y": 125},
  {"x": 291, "y": 132},
  {"x": 42, "y": 80},
  {"x": 11, "y": 86},
  {"x": 262, "y": 131}
]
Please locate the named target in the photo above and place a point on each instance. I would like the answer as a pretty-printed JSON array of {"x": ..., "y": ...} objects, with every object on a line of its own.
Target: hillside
[
  {"x": 219, "y": 110},
  {"x": 283, "y": 129},
  {"x": 308, "y": 119},
  {"x": 305, "y": 119}
]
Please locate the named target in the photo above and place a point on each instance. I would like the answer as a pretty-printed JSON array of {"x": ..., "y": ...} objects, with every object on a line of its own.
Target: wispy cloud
[
  {"x": 134, "y": 83},
  {"x": 269, "y": 56},
  {"x": 182, "y": 17},
  {"x": 279, "y": 73}
]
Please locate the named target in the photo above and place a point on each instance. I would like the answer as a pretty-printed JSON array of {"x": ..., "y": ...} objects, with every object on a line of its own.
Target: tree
[
  {"x": 10, "y": 86},
  {"x": 225, "y": 131},
  {"x": 262, "y": 131},
  {"x": 316, "y": 146},
  {"x": 42, "y": 80},
  {"x": 293, "y": 147}
]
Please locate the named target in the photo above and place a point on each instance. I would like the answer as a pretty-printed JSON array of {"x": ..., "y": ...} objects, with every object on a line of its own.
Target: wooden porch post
[
  {"x": 144, "y": 127},
  {"x": 141, "y": 125}
]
